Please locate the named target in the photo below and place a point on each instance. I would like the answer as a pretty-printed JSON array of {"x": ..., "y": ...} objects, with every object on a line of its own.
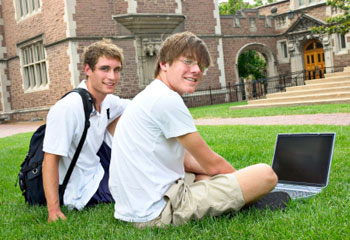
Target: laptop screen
[{"x": 303, "y": 158}]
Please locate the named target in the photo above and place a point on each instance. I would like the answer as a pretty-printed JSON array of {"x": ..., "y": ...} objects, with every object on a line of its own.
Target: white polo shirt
[
  {"x": 64, "y": 128},
  {"x": 146, "y": 157}
]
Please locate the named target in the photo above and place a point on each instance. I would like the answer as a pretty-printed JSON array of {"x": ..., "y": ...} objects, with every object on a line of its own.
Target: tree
[
  {"x": 232, "y": 6},
  {"x": 337, "y": 24},
  {"x": 250, "y": 63}
]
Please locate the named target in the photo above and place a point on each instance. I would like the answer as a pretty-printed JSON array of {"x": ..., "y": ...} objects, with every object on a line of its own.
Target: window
[
  {"x": 26, "y": 7},
  {"x": 34, "y": 65},
  {"x": 301, "y": 2},
  {"x": 252, "y": 24},
  {"x": 284, "y": 49},
  {"x": 341, "y": 41}
]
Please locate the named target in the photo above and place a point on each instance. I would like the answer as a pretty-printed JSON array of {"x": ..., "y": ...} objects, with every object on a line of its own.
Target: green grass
[
  {"x": 223, "y": 110},
  {"x": 325, "y": 216}
]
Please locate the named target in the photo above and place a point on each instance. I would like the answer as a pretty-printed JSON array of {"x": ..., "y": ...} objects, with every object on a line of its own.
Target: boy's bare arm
[
  {"x": 50, "y": 182},
  {"x": 210, "y": 162}
]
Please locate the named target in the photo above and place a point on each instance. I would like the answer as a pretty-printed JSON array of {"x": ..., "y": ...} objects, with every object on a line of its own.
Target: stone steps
[
  {"x": 346, "y": 72},
  {"x": 322, "y": 90},
  {"x": 301, "y": 98},
  {"x": 325, "y": 85},
  {"x": 328, "y": 80},
  {"x": 334, "y": 88},
  {"x": 288, "y": 104}
]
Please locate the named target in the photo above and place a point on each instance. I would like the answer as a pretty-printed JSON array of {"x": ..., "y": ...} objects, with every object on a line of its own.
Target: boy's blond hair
[
  {"x": 183, "y": 44},
  {"x": 103, "y": 48}
]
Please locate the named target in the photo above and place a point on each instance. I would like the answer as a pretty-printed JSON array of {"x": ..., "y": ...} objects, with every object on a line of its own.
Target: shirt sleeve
[
  {"x": 62, "y": 125},
  {"x": 172, "y": 116}
]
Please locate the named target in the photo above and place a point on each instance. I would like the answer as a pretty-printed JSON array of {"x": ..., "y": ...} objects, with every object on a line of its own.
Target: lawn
[
  {"x": 325, "y": 216},
  {"x": 223, "y": 110}
]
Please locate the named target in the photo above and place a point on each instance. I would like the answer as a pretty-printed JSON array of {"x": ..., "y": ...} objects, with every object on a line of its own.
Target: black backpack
[{"x": 30, "y": 175}]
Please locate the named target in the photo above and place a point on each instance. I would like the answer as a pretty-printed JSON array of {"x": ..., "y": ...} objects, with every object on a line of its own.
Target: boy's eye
[
  {"x": 117, "y": 69},
  {"x": 189, "y": 62}
]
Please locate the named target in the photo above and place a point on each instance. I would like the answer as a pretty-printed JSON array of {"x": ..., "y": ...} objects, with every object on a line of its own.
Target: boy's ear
[
  {"x": 87, "y": 69},
  {"x": 164, "y": 66}
]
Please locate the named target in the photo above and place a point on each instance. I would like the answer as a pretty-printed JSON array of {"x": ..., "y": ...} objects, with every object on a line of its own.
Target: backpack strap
[{"x": 88, "y": 102}]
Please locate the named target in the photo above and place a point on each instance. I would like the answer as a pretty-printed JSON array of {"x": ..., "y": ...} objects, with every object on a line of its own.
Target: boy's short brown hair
[
  {"x": 183, "y": 44},
  {"x": 103, "y": 48}
]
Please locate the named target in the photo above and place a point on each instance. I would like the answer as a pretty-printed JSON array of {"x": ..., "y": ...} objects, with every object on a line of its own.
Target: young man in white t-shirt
[
  {"x": 88, "y": 183},
  {"x": 157, "y": 142}
]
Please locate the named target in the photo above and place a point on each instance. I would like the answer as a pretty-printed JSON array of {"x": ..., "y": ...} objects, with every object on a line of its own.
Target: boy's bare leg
[{"x": 256, "y": 181}]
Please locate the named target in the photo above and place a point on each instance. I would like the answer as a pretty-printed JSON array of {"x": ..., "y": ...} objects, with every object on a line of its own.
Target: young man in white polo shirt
[
  {"x": 88, "y": 183},
  {"x": 157, "y": 142}
]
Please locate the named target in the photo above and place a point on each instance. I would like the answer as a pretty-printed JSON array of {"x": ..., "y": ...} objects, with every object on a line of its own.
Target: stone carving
[{"x": 148, "y": 48}]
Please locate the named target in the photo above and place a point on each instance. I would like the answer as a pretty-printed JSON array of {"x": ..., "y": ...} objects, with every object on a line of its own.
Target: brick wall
[
  {"x": 199, "y": 16},
  {"x": 27, "y": 116},
  {"x": 318, "y": 12},
  {"x": 94, "y": 18},
  {"x": 129, "y": 81},
  {"x": 156, "y": 6},
  {"x": 120, "y": 7},
  {"x": 59, "y": 80},
  {"x": 228, "y": 27},
  {"x": 282, "y": 7},
  {"x": 211, "y": 79},
  {"x": 48, "y": 22},
  {"x": 342, "y": 60}
]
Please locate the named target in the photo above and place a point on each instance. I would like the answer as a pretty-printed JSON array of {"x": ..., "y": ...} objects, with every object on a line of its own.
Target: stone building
[{"x": 42, "y": 41}]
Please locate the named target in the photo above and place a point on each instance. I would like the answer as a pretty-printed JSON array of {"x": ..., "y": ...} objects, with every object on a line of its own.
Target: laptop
[{"x": 302, "y": 162}]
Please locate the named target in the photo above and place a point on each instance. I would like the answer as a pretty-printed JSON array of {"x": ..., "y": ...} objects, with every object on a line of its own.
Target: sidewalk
[{"x": 8, "y": 129}]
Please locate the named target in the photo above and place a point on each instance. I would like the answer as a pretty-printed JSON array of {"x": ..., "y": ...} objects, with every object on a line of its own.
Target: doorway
[{"x": 314, "y": 59}]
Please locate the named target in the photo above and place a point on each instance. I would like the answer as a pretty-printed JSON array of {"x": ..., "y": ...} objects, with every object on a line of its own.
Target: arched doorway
[
  {"x": 314, "y": 59},
  {"x": 265, "y": 52}
]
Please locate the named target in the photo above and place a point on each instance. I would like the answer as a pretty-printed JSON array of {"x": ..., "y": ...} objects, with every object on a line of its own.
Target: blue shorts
[{"x": 103, "y": 195}]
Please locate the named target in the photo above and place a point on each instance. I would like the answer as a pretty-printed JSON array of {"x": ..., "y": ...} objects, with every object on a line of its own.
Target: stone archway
[
  {"x": 265, "y": 51},
  {"x": 270, "y": 64}
]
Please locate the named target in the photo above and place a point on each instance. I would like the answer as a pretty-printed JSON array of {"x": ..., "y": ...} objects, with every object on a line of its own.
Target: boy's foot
[{"x": 272, "y": 200}]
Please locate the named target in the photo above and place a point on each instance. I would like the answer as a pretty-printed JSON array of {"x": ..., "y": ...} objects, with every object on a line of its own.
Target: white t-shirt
[
  {"x": 64, "y": 128},
  {"x": 146, "y": 157}
]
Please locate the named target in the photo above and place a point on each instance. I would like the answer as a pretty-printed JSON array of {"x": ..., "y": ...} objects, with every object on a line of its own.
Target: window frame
[
  {"x": 34, "y": 65},
  {"x": 283, "y": 53},
  {"x": 341, "y": 42},
  {"x": 25, "y": 8}
]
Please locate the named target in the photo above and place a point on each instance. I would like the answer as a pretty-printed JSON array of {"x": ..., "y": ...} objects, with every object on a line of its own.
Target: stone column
[
  {"x": 248, "y": 87},
  {"x": 328, "y": 53},
  {"x": 4, "y": 93},
  {"x": 296, "y": 57}
]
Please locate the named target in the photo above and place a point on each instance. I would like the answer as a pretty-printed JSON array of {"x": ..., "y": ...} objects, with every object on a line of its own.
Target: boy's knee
[{"x": 269, "y": 174}]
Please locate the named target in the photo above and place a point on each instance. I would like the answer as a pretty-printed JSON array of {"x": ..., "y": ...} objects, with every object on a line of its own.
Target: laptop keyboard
[
  {"x": 295, "y": 194},
  {"x": 299, "y": 194}
]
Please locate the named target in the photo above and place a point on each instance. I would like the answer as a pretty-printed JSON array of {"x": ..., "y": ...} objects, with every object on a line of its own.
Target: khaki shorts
[{"x": 188, "y": 200}]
